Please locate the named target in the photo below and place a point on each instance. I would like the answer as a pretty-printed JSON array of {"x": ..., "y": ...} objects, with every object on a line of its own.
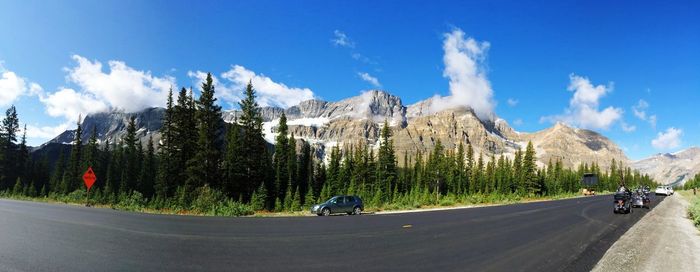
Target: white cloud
[
  {"x": 628, "y": 128},
  {"x": 669, "y": 139},
  {"x": 122, "y": 87},
  {"x": 340, "y": 39},
  {"x": 512, "y": 102},
  {"x": 270, "y": 93},
  {"x": 518, "y": 122},
  {"x": 583, "y": 107},
  {"x": 369, "y": 78},
  {"x": 70, "y": 104},
  {"x": 639, "y": 110},
  {"x": 36, "y": 132},
  {"x": 652, "y": 121},
  {"x": 13, "y": 86},
  {"x": 469, "y": 86}
]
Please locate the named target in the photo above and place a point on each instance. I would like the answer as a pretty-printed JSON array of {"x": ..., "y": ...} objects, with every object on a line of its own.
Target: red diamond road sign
[{"x": 89, "y": 178}]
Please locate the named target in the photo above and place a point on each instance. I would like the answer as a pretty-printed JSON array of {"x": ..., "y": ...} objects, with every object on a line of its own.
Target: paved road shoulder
[{"x": 664, "y": 240}]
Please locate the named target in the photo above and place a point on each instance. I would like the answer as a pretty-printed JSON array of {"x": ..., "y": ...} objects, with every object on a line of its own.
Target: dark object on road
[
  {"x": 588, "y": 183},
  {"x": 622, "y": 202},
  {"x": 339, "y": 204},
  {"x": 694, "y": 191},
  {"x": 640, "y": 198}
]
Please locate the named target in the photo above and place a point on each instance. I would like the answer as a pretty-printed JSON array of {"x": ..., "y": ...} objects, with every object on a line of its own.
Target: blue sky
[{"x": 539, "y": 56}]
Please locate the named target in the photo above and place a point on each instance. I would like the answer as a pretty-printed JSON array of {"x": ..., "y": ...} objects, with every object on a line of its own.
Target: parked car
[
  {"x": 670, "y": 189},
  {"x": 663, "y": 190},
  {"x": 339, "y": 204}
]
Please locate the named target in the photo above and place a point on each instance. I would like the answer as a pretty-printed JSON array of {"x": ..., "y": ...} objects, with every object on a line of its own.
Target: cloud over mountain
[
  {"x": 232, "y": 83},
  {"x": 583, "y": 110},
  {"x": 463, "y": 58}
]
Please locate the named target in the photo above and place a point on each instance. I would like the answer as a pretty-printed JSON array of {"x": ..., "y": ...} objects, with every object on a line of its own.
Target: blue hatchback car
[{"x": 339, "y": 204}]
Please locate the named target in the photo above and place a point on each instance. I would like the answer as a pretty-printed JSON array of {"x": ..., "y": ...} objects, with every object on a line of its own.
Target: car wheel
[
  {"x": 357, "y": 211},
  {"x": 326, "y": 212}
]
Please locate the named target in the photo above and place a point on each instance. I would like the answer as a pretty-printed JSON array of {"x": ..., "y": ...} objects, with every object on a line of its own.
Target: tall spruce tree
[
  {"x": 469, "y": 167},
  {"x": 166, "y": 168},
  {"x": 184, "y": 137},
  {"x": 386, "y": 160},
  {"x": 8, "y": 147},
  {"x": 130, "y": 171},
  {"x": 530, "y": 178},
  {"x": 22, "y": 165},
  {"x": 205, "y": 165},
  {"x": 233, "y": 173},
  {"x": 281, "y": 158},
  {"x": 253, "y": 144},
  {"x": 292, "y": 164},
  {"x": 71, "y": 178},
  {"x": 58, "y": 169},
  {"x": 149, "y": 170}
]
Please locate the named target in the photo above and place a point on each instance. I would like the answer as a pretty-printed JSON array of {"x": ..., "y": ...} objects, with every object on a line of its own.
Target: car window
[
  {"x": 340, "y": 200},
  {"x": 350, "y": 199}
]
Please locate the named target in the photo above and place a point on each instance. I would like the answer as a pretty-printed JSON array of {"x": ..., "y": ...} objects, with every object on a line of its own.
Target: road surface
[{"x": 563, "y": 235}]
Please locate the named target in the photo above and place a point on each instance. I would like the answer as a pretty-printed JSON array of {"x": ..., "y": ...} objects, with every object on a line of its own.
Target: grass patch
[{"x": 694, "y": 207}]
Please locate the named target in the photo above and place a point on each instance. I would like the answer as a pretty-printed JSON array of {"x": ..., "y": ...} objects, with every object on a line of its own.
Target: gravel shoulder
[{"x": 663, "y": 240}]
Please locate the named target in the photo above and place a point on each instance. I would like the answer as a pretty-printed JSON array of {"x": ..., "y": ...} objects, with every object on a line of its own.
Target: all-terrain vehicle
[{"x": 622, "y": 203}]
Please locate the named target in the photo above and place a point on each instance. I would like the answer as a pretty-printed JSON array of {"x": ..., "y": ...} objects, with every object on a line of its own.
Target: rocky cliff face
[
  {"x": 112, "y": 126},
  {"x": 672, "y": 169},
  {"x": 358, "y": 120}
]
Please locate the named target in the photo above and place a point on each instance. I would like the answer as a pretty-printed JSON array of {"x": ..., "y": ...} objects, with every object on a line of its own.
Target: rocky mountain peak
[
  {"x": 671, "y": 168},
  {"x": 358, "y": 120}
]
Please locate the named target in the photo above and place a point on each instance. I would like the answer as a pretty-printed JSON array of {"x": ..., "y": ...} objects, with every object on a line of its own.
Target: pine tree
[
  {"x": 166, "y": 175},
  {"x": 23, "y": 159},
  {"x": 148, "y": 170},
  {"x": 130, "y": 171},
  {"x": 8, "y": 147},
  {"x": 469, "y": 169},
  {"x": 58, "y": 170},
  {"x": 386, "y": 160},
  {"x": 292, "y": 164},
  {"x": 18, "y": 189},
  {"x": 205, "y": 169},
  {"x": 304, "y": 168},
  {"x": 460, "y": 170},
  {"x": 91, "y": 151},
  {"x": 518, "y": 183},
  {"x": 71, "y": 177},
  {"x": 233, "y": 173},
  {"x": 281, "y": 157},
  {"x": 530, "y": 170},
  {"x": 309, "y": 198},
  {"x": 253, "y": 144},
  {"x": 257, "y": 200},
  {"x": 319, "y": 181},
  {"x": 184, "y": 138},
  {"x": 333, "y": 172},
  {"x": 296, "y": 201}
]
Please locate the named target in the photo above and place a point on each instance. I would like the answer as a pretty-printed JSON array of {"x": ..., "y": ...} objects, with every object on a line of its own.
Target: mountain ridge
[
  {"x": 358, "y": 120},
  {"x": 671, "y": 168}
]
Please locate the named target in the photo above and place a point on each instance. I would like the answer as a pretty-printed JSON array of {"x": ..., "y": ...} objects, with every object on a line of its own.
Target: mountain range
[{"x": 416, "y": 128}]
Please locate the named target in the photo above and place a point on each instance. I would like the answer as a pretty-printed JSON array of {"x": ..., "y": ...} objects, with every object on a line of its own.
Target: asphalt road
[{"x": 564, "y": 235}]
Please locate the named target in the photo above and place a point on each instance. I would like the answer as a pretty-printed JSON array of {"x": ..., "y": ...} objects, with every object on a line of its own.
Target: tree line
[{"x": 202, "y": 162}]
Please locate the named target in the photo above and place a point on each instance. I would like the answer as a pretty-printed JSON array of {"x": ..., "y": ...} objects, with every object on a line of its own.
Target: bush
[
  {"x": 206, "y": 199},
  {"x": 77, "y": 196},
  {"x": 694, "y": 211},
  {"x": 131, "y": 202},
  {"x": 231, "y": 208},
  {"x": 213, "y": 202}
]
